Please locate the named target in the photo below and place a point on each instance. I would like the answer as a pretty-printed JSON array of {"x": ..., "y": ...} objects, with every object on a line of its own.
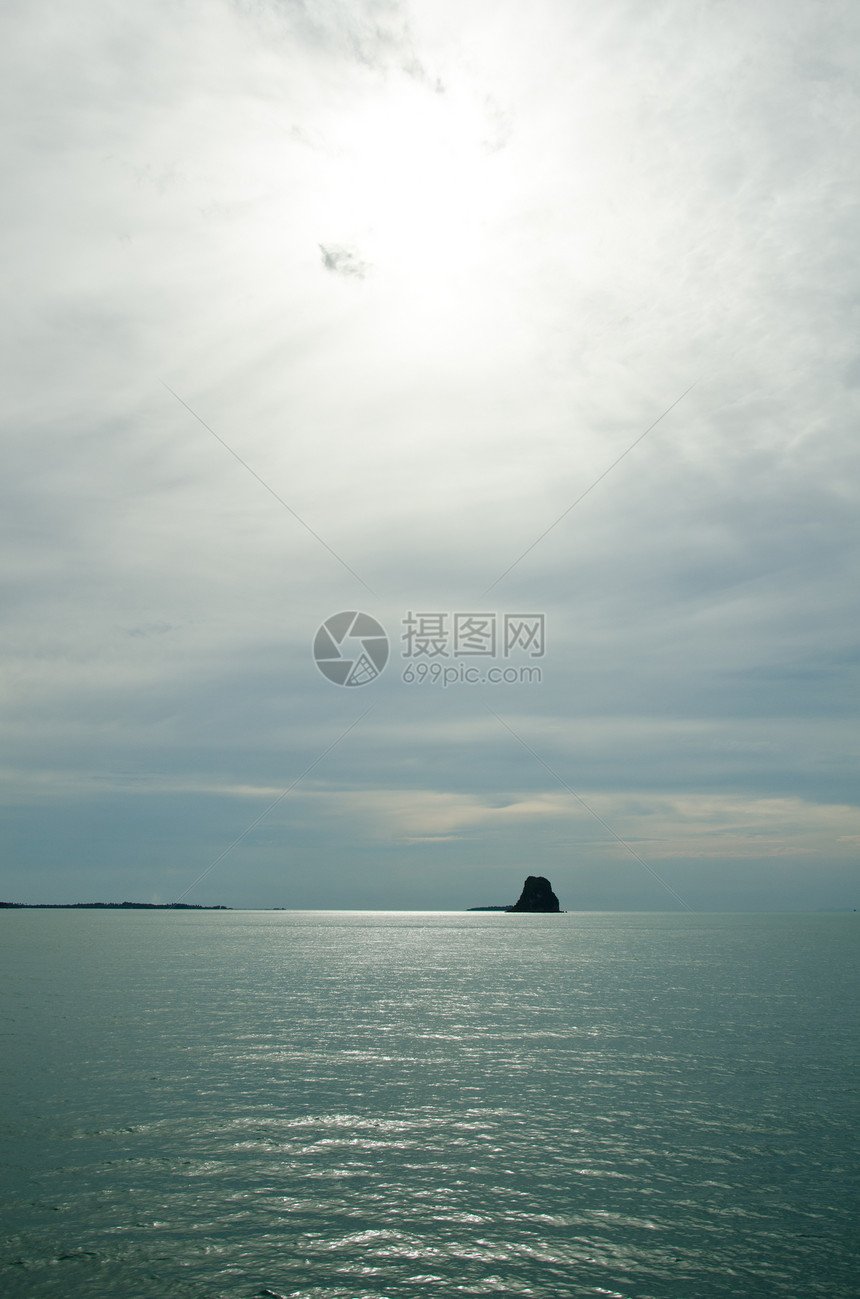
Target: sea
[{"x": 382, "y": 1105}]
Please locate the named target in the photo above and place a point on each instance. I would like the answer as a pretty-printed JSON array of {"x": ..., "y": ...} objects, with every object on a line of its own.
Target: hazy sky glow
[{"x": 428, "y": 270}]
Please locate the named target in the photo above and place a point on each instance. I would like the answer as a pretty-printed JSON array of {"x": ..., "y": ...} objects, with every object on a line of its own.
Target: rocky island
[{"x": 537, "y": 896}]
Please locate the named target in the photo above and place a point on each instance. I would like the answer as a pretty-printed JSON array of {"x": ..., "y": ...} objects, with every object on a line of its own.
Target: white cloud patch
[{"x": 660, "y": 827}]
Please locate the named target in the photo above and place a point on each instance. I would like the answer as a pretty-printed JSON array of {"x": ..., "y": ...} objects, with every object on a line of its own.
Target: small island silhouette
[{"x": 537, "y": 896}]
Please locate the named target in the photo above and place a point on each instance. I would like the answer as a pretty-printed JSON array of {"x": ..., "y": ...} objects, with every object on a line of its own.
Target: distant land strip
[{"x": 110, "y": 906}]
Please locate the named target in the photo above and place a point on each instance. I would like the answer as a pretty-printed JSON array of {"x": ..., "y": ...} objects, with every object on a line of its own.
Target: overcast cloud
[{"x": 340, "y": 306}]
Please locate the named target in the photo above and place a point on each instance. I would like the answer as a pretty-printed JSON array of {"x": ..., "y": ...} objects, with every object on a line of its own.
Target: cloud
[
  {"x": 344, "y": 261},
  {"x": 600, "y": 210},
  {"x": 374, "y": 33}
]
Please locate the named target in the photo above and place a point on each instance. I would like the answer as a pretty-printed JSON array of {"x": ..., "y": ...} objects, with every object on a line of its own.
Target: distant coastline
[{"x": 109, "y": 906}]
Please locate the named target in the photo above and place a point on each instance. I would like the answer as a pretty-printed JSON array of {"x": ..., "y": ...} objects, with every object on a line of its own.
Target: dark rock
[{"x": 537, "y": 895}]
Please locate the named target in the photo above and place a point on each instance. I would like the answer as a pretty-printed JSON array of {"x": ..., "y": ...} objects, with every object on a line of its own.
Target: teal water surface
[{"x": 351, "y": 1105}]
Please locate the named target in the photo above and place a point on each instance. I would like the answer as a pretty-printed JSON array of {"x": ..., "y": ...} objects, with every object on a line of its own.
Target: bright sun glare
[{"x": 414, "y": 184}]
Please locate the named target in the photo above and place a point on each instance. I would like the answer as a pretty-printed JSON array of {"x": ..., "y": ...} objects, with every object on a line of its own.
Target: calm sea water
[{"x": 382, "y": 1105}]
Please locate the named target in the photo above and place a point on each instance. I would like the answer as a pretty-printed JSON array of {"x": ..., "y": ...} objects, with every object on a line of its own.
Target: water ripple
[{"x": 334, "y": 1109}]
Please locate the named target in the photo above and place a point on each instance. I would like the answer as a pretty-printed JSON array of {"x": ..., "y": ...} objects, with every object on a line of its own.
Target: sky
[{"x": 474, "y": 318}]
